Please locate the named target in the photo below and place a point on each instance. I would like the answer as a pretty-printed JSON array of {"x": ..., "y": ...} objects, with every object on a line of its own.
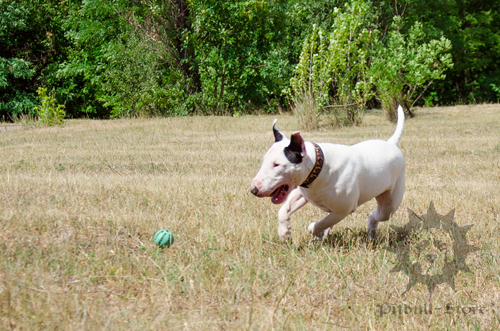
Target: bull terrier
[{"x": 335, "y": 178}]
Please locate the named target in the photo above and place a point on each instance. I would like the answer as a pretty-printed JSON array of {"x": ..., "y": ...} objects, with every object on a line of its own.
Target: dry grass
[
  {"x": 306, "y": 112},
  {"x": 79, "y": 206}
]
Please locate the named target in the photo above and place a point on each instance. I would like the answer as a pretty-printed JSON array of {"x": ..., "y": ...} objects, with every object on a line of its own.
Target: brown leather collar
[{"x": 317, "y": 167}]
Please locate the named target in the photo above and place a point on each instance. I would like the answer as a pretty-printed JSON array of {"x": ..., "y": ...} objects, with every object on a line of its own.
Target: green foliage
[
  {"x": 17, "y": 68},
  {"x": 473, "y": 27},
  {"x": 14, "y": 102},
  {"x": 132, "y": 82},
  {"x": 13, "y": 70},
  {"x": 160, "y": 57},
  {"x": 342, "y": 69},
  {"x": 49, "y": 112},
  {"x": 333, "y": 66},
  {"x": 94, "y": 28},
  {"x": 240, "y": 53},
  {"x": 31, "y": 44},
  {"x": 405, "y": 66},
  {"x": 496, "y": 89}
]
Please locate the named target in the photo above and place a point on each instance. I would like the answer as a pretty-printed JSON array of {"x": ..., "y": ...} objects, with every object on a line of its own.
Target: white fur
[{"x": 351, "y": 176}]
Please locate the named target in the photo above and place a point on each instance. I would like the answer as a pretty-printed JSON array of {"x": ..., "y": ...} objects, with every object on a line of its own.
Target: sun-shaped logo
[{"x": 426, "y": 256}]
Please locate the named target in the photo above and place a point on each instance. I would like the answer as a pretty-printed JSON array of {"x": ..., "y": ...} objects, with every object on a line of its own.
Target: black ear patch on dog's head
[
  {"x": 296, "y": 151},
  {"x": 278, "y": 136}
]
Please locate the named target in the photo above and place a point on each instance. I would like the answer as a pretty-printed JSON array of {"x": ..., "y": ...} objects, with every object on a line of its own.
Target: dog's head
[{"x": 282, "y": 167}]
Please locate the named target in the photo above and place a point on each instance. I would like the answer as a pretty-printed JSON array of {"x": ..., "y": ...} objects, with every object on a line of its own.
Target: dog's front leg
[
  {"x": 295, "y": 201},
  {"x": 321, "y": 228}
]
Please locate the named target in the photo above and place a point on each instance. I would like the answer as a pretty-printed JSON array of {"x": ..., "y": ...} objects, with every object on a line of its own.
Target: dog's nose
[{"x": 254, "y": 191}]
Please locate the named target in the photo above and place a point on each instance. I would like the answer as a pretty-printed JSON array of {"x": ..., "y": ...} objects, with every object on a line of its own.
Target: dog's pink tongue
[{"x": 279, "y": 197}]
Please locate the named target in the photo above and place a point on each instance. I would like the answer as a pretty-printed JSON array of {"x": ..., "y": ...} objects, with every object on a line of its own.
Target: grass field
[{"x": 79, "y": 206}]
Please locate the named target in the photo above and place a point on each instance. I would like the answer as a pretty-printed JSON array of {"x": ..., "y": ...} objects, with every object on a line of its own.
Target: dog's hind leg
[
  {"x": 387, "y": 203},
  {"x": 294, "y": 202}
]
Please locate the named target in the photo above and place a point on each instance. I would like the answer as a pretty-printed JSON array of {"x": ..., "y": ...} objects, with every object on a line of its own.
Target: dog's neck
[{"x": 316, "y": 169}]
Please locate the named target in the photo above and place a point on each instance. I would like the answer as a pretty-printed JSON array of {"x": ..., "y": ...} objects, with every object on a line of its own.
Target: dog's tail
[{"x": 399, "y": 129}]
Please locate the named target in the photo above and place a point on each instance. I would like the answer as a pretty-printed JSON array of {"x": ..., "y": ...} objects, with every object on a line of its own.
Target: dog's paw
[
  {"x": 326, "y": 232},
  {"x": 284, "y": 233},
  {"x": 372, "y": 234},
  {"x": 318, "y": 236},
  {"x": 310, "y": 228}
]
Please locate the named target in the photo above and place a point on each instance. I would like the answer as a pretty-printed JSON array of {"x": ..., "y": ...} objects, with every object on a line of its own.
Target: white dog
[{"x": 335, "y": 178}]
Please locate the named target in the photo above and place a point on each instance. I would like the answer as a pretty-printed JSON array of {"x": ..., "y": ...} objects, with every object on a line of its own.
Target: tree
[
  {"x": 333, "y": 66},
  {"x": 405, "y": 66},
  {"x": 240, "y": 52},
  {"x": 473, "y": 27},
  {"x": 94, "y": 29},
  {"x": 106, "y": 58},
  {"x": 31, "y": 44}
]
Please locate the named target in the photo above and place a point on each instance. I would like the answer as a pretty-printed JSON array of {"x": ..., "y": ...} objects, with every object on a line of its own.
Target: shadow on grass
[{"x": 356, "y": 238}]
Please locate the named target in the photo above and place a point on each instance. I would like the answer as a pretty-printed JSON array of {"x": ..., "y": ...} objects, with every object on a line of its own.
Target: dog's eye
[{"x": 276, "y": 165}]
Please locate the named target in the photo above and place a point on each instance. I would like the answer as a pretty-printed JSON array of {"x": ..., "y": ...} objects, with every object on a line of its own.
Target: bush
[
  {"x": 405, "y": 66},
  {"x": 305, "y": 109},
  {"x": 309, "y": 118},
  {"x": 49, "y": 113},
  {"x": 333, "y": 66}
]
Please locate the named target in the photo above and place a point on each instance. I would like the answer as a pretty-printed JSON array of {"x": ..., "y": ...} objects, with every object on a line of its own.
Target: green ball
[{"x": 164, "y": 238}]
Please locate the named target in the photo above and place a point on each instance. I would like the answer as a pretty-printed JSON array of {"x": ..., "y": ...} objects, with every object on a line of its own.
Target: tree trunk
[{"x": 186, "y": 53}]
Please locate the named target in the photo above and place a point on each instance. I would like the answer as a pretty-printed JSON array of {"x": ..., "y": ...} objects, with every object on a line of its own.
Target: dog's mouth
[{"x": 279, "y": 195}]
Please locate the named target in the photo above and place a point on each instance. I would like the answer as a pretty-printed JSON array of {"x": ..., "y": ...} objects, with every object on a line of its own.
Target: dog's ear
[
  {"x": 278, "y": 136},
  {"x": 296, "y": 151}
]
